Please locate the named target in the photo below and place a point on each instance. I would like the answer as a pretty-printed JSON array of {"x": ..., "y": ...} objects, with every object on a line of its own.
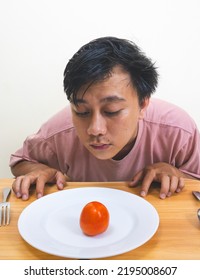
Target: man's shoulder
[
  {"x": 60, "y": 122},
  {"x": 160, "y": 112}
]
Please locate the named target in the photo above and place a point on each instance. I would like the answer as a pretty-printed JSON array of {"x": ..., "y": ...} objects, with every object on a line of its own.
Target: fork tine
[
  {"x": 4, "y": 214},
  {"x": 5, "y": 208},
  {"x": 8, "y": 214}
]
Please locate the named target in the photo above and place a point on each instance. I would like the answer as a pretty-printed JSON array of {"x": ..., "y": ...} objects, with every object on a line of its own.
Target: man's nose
[{"x": 97, "y": 125}]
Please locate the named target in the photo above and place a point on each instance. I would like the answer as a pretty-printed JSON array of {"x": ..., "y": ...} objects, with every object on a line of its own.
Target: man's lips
[{"x": 99, "y": 146}]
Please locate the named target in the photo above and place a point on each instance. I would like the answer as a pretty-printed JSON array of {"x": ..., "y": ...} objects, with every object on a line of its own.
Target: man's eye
[
  {"x": 82, "y": 114},
  {"x": 115, "y": 113}
]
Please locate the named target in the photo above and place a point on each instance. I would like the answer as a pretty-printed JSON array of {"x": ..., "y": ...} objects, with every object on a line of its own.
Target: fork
[
  {"x": 197, "y": 195},
  {"x": 5, "y": 208}
]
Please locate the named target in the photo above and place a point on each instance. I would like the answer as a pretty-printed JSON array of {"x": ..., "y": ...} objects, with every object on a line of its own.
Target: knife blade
[{"x": 196, "y": 194}]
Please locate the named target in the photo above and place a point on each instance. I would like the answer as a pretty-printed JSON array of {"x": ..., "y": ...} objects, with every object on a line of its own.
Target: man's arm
[{"x": 28, "y": 173}]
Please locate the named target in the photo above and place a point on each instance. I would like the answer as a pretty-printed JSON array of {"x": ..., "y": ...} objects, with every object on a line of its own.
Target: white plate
[{"x": 51, "y": 223}]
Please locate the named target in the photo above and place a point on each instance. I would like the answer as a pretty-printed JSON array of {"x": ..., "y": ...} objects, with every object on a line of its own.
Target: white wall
[{"x": 37, "y": 37}]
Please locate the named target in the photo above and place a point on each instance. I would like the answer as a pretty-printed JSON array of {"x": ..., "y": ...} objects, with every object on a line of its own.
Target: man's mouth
[{"x": 99, "y": 146}]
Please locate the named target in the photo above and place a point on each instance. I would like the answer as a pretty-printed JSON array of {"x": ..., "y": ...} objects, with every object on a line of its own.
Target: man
[{"x": 112, "y": 130}]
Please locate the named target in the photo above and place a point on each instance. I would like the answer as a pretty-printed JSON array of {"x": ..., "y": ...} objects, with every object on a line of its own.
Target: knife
[{"x": 196, "y": 194}]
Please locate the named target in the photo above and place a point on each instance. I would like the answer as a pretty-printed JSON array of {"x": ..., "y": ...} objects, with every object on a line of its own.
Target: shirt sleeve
[
  {"x": 189, "y": 156},
  {"x": 37, "y": 150}
]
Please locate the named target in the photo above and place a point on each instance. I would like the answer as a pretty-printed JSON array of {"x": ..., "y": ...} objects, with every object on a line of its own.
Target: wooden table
[{"x": 177, "y": 238}]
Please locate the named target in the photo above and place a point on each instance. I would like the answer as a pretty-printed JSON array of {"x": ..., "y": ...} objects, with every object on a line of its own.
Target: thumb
[{"x": 136, "y": 179}]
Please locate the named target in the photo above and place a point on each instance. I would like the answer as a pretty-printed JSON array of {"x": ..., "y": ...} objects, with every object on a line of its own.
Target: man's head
[
  {"x": 94, "y": 62},
  {"x": 108, "y": 83}
]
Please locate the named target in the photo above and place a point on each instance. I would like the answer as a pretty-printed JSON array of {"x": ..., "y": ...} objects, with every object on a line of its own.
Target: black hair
[{"x": 94, "y": 62}]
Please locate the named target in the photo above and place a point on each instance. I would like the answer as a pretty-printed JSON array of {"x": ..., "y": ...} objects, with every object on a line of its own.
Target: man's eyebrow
[
  {"x": 80, "y": 101},
  {"x": 107, "y": 99},
  {"x": 112, "y": 98}
]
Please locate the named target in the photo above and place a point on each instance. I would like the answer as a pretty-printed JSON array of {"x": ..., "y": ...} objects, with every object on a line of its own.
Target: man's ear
[{"x": 143, "y": 106}]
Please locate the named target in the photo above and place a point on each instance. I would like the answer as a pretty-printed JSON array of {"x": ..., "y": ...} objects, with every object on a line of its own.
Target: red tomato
[{"x": 94, "y": 218}]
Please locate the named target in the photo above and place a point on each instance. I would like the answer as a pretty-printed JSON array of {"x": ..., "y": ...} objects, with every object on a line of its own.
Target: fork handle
[{"x": 6, "y": 192}]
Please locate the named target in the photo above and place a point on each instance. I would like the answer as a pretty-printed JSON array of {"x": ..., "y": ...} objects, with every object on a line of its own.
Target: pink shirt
[{"x": 166, "y": 134}]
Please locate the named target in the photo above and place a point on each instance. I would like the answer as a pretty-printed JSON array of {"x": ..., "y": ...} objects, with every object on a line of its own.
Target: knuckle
[{"x": 149, "y": 170}]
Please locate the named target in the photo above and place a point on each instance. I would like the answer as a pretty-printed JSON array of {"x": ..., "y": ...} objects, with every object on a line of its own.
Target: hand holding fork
[{"x": 5, "y": 208}]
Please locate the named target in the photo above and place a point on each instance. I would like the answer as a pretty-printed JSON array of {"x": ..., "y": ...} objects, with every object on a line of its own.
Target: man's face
[{"x": 106, "y": 116}]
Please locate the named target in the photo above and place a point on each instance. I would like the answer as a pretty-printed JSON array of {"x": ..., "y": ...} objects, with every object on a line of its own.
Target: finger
[
  {"x": 25, "y": 186},
  {"x": 61, "y": 180},
  {"x": 40, "y": 184},
  {"x": 16, "y": 186},
  {"x": 148, "y": 179},
  {"x": 135, "y": 180},
  {"x": 181, "y": 184},
  {"x": 174, "y": 181},
  {"x": 165, "y": 186}
]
